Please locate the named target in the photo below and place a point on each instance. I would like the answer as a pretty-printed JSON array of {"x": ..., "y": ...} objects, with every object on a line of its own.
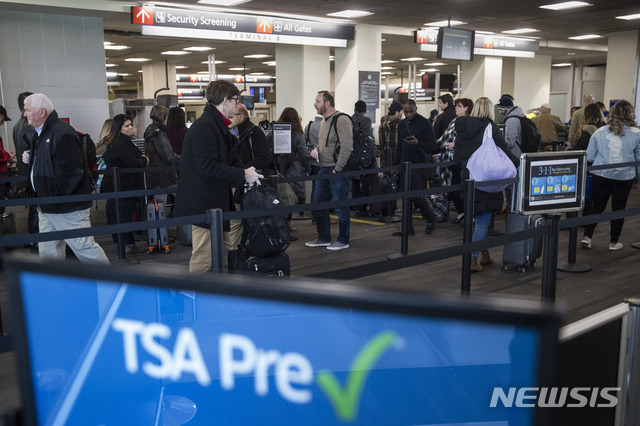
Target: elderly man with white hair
[
  {"x": 56, "y": 168},
  {"x": 548, "y": 125}
]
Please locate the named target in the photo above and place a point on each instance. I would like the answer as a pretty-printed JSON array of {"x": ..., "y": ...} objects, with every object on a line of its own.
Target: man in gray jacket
[
  {"x": 336, "y": 129},
  {"x": 513, "y": 129}
]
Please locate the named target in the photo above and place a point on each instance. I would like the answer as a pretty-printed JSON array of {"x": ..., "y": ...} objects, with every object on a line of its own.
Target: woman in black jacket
[
  {"x": 122, "y": 152},
  {"x": 470, "y": 132},
  {"x": 160, "y": 153}
]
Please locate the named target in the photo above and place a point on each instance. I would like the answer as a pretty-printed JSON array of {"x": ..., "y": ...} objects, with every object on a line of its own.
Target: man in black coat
[
  {"x": 206, "y": 177},
  {"x": 56, "y": 168},
  {"x": 416, "y": 143}
]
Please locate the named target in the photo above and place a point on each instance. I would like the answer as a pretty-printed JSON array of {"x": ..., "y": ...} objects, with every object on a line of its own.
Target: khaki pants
[{"x": 200, "y": 261}]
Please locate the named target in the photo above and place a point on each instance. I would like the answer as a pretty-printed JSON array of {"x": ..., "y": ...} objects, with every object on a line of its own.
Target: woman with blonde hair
[
  {"x": 469, "y": 137},
  {"x": 104, "y": 134},
  {"x": 618, "y": 142}
]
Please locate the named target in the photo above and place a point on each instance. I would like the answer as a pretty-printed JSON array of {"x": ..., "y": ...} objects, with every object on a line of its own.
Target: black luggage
[
  {"x": 522, "y": 253},
  {"x": 388, "y": 185},
  {"x": 268, "y": 235},
  {"x": 158, "y": 237},
  {"x": 272, "y": 266}
]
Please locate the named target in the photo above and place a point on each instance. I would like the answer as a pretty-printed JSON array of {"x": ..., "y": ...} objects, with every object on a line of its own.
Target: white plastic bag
[{"x": 490, "y": 163}]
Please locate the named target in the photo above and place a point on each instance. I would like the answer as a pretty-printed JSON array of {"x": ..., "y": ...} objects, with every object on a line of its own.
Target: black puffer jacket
[
  {"x": 160, "y": 153},
  {"x": 124, "y": 154},
  {"x": 470, "y": 131},
  {"x": 57, "y": 164}
]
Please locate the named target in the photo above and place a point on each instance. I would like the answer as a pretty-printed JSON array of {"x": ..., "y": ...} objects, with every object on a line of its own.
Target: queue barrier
[{"x": 465, "y": 249}]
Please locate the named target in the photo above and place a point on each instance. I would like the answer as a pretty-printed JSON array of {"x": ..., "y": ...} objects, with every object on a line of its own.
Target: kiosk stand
[{"x": 554, "y": 183}]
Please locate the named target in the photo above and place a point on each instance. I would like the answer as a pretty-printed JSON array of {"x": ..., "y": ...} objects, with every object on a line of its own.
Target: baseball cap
[
  {"x": 505, "y": 101},
  {"x": 3, "y": 113},
  {"x": 547, "y": 106}
]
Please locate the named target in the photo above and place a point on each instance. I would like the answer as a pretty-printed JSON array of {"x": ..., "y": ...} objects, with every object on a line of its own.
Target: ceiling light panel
[
  {"x": 199, "y": 48},
  {"x": 629, "y": 17},
  {"x": 585, "y": 37},
  {"x": 520, "y": 31},
  {"x": 350, "y": 14},
  {"x": 565, "y": 5},
  {"x": 445, "y": 23}
]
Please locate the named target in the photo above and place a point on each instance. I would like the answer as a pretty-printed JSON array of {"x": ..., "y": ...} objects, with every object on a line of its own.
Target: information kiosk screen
[
  {"x": 552, "y": 182},
  {"x": 106, "y": 347}
]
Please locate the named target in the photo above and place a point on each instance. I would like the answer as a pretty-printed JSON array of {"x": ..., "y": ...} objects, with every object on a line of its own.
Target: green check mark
[{"x": 345, "y": 401}]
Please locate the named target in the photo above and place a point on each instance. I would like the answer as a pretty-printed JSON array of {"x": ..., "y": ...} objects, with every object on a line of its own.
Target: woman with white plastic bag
[{"x": 482, "y": 154}]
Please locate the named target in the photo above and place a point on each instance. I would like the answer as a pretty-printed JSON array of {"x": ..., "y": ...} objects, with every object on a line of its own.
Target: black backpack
[
  {"x": 90, "y": 160},
  {"x": 363, "y": 146},
  {"x": 531, "y": 138},
  {"x": 264, "y": 235}
]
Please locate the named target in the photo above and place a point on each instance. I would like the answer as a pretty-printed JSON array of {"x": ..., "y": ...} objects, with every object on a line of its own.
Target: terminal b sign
[{"x": 164, "y": 21}]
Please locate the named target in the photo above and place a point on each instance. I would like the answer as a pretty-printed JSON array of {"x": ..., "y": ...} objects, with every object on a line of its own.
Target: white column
[
  {"x": 532, "y": 82},
  {"x": 621, "y": 79},
  {"x": 154, "y": 77},
  {"x": 301, "y": 72},
  {"x": 482, "y": 77},
  {"x": 361, "y": 54}
]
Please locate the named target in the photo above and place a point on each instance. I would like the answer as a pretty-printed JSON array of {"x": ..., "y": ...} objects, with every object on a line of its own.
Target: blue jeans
[
  {"x": 327, "y": 190},
  {"x": 483, "y": 220}
]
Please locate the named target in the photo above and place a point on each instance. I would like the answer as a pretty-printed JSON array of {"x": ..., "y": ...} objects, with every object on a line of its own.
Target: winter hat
[
  {"x": 506, "y": 101},
  {"x": 395, "y": 107}
]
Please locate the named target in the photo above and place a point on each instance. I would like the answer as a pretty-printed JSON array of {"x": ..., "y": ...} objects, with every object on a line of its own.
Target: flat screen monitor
[
  {"x": 552, "y": 182},
  {"x": 454, "y": 43},
  {"x": 168, "y": 101},
  {"x": 401, "y": 97},
  {"x": 247, "y": 101},
  {"x": 108, "y": 346}
]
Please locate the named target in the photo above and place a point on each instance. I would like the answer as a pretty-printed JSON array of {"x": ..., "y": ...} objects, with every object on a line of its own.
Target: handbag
[
  {"x": 289, "y": 197},
  {"x": 489, "y": 163}
]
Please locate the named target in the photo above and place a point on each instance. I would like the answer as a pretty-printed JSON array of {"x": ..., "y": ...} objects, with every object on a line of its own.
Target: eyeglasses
[{"x": 236, "y": 99}]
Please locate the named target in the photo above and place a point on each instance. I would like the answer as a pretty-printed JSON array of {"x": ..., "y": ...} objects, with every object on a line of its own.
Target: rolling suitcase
[
  {"x": 388, "y": 185},
  {"x": 522, "y": 253},
  {"x": 272, "y": 266},
  {"x": 158, "y": 237}
]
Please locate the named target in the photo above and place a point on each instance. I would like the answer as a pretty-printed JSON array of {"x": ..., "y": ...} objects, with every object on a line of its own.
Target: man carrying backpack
[
  {"x": 331, "y": 131},
  {"x": 513, "y": 129}
]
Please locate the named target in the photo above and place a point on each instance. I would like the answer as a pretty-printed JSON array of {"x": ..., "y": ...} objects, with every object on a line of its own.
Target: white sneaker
[
  {"x": 615, "y": 246},
  {"x": 586, "y": 242},
  {"x": 338, "y": 246},
  {"x": 317, "y": 243}
]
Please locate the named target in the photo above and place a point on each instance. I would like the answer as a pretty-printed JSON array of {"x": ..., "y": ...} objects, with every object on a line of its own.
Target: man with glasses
[
  {"x": 206, "y": 177},
  {"x": 416, "y": 141}
]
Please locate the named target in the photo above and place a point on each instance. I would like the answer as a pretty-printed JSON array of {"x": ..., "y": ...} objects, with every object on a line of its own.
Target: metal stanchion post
[
  {"x": 214, "y": 217},
  {"x": 116, "y": 187},
  {"x": 550, "y": 259},
  {"x": 571, "y": 265},
  {"x": 405, "y": 169},
  {"x": 465, "y": 287},
  {"x": 631, "y": 414}
]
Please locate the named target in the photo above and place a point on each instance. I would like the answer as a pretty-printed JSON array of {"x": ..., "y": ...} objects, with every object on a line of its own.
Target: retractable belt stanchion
[
  {"x": 550, "y": 259},
  {"x": 405, "y": 169},
  {"x": 214, "y": 217},
  {"x": 631, "y": 408},
  {"x": 571, "y": 265},
  {"x": 465, "y": 287},
  {"x": 116, "y": 187}
]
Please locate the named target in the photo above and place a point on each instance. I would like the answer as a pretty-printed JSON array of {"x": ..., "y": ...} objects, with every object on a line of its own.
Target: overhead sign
[
  {"x": 204, "y": 78},
  {"x": 369, "y": 91},
  {"x": 161, "y": 21},
  {"x": 485, "y": 44}
]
